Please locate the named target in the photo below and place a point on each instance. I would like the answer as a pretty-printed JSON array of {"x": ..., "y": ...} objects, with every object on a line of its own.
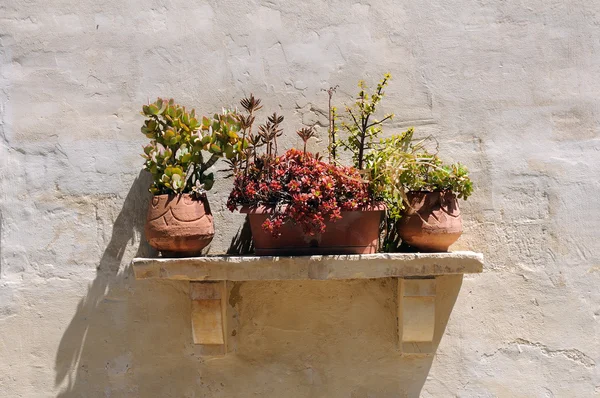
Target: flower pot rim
[
  {"x": 179, "y": 196},
  {"x": 263, "y": 209},
  {"x": 441, "y": 191},
  {"x": 174, "y": 194}
]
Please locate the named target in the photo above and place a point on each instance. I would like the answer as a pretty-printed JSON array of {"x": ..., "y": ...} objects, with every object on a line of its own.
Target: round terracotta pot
[
  {"x": 179, "y": 224},
  {"x": 431, "y": 222},
  {"x": 357, "y": 232}
]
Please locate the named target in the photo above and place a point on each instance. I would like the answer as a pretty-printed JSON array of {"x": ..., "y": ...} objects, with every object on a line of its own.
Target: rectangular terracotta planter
[{"x": 357, "y": 232}]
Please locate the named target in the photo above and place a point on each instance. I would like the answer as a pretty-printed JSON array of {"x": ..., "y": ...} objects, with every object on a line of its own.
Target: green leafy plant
[
  {"x": 360, "y": 124},
  {"x": 333, "y": 128},
  {"x": 175, "y": 156},
  {"x": 400, "y": 164},
  {"x": 390, "y": 156},
  {"x": 434, "y": 175}
]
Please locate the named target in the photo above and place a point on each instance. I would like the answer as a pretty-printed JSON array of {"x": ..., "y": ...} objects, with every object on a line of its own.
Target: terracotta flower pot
[
  {"x": 179, "y": 224},
  {"x": 432, "y": 221},
  {"x": 357, "y": 232}
]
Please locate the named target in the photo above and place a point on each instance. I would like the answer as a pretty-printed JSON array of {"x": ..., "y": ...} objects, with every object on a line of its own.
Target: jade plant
[{"x": 182, "y": 148}]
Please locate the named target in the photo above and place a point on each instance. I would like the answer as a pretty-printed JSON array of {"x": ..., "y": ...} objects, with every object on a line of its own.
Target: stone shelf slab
[
  {"x": 417, "y": 276},
  {"x": 367, "y": 266}
]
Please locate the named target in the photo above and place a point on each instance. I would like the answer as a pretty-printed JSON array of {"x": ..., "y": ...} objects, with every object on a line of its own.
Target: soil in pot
[
  {"x": 357, "y": 232},
  {"x": 432, "y": 221},
  {"x": 179, "y": 225}
]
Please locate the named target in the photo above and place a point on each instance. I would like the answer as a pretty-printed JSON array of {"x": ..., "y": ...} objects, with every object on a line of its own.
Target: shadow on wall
[
  {"x": 288, "y": 338},
  {"x": 93, "y": 322},
  {"x": 241, "y": 243}
]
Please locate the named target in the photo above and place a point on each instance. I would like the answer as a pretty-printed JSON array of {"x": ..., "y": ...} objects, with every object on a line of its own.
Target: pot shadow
[
  {"x": 129, "y": 337},
  {"x": 77, "y": 343},
  {"x": 242, "y": 243},
  {"x": 389, "y": 240}
]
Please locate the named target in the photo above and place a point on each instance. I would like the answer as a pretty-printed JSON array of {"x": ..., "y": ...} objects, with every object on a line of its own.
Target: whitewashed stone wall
[{"x": 508, "y": 87}]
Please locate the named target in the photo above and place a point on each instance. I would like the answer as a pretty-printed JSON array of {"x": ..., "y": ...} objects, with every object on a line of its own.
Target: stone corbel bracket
[
  {"x": 209, "y": 313},
  {"x": 416, "y": 315},
  {"x": 417, "y": 277}
]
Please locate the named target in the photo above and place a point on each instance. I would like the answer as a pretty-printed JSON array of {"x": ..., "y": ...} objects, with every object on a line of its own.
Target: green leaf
[
  {"x": 229, "y": 152},
  {"x": 193, "y": 123},
  {"x": 208, "y": 180},
  {"x": 168, "y": 135},
  {"x": 163, "y": 107},
  {"x": 177, "y": 182},
  {"x": 186, "y": 158},
  {"x": 170, "y": 112},
  {"x": 153, "y": 109}
]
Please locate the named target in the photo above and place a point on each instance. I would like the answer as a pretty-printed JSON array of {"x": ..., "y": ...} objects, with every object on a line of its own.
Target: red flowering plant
[
  {"x": 304, "y": 190},
  {"x": 299, "y": 186}
]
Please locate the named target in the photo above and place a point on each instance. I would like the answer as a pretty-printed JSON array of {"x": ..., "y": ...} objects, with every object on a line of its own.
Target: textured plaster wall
[{"x": 508, "y": 87}]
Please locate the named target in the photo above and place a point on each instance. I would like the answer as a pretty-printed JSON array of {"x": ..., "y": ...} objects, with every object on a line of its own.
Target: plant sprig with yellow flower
[{"x": 360, "y": 123}]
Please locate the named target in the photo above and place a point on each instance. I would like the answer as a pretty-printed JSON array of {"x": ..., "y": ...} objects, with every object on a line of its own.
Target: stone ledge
[
  {"x": 368, "y": 266},
  {"x": 417, "y": 277}
]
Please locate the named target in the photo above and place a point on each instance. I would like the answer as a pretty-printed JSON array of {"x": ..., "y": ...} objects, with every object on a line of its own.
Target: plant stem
[
  {"x": 363, "y": 135},
  {"x": 333, "y": 139},
  {"x": 331, "y": 125},
  {"x": 330, "y": 128},
  {"x": 213, "y": 159},
  {"x": 379, "y": 122}
]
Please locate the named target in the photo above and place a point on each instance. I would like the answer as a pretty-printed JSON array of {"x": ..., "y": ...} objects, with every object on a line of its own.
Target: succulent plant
[
  {"x": 269, "y": 133},
  {"x": 306, "y": 133},
  {"x": 178, "y": 139},
  {"x": 312, "y": 191}
]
